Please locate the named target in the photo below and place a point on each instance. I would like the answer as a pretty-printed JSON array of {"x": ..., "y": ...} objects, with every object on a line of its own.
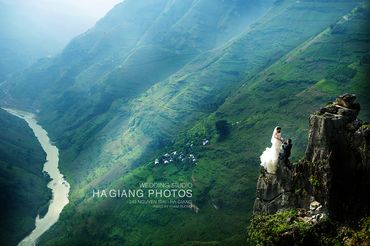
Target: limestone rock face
[
  {"x": 337, "y": 159},
  {"x": 274, "y": 190},
  {"x": 335, "y": 171}
]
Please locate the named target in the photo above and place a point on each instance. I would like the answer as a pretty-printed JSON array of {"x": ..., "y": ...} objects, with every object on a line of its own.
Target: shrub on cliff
[{"x": 275, "y": 229}]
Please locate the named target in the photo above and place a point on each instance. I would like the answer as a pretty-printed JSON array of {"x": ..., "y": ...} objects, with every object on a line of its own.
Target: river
[{"x": 59, "y": 186}]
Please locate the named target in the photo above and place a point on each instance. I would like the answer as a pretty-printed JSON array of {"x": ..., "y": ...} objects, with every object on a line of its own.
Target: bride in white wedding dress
[{"x": 270, "y": 156}]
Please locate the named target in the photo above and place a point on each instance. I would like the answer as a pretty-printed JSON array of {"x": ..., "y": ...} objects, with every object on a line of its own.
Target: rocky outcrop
[
  {"x": 337, "y": 159},
  {"x": 274, "y": 191},
  {"x": 335, "y": 171}
]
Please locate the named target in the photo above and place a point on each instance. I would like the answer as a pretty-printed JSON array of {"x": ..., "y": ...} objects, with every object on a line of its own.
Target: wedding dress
[{"x": 270, "y": 156}]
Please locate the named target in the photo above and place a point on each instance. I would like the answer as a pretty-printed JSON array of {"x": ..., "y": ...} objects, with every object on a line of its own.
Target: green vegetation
[
  {"x": 283, "y": 228},
  {"x": 283, "y": 93},
  {"x": 365, "y": 126},
  {"x": 354, "y": 235},
  {"x": 108, "y": 121},
  {"x": 314, "y": 181},
  {"x": 93, "y": 94},
  {"x": 269, "y": 229},
  {"x": 222, "y": 128},
  {"x": 24, "y": 192}
]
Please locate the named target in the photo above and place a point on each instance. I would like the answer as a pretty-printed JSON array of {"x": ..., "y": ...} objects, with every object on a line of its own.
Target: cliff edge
[{"x": 330, "y": 185}]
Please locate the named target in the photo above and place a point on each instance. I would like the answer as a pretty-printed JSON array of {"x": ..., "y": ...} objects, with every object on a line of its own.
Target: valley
[
  {"x": 58, "y": 185},
  {"x": 24, "y": 191},
  {"x": 136, "y": 88}
]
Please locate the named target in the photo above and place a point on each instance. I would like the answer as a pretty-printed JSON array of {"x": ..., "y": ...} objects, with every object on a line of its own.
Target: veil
[{"x": 273, "y": 135}]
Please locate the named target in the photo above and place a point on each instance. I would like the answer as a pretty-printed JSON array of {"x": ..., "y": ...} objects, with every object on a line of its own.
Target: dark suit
[{"x": 287, "y": 147}]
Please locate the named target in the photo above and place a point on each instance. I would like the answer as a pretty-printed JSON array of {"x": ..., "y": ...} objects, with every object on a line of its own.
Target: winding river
[{"x": 59, "y": 186}]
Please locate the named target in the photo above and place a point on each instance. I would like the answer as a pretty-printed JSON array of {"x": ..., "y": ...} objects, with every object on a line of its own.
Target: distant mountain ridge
[
  {"x": 27, "y": 36},
  {"x": 108, "y": 115},
  {"x": 123, "y": 56}
]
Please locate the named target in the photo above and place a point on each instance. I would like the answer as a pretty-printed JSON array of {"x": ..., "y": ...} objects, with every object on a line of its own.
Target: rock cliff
[
  {"x": 329, "y": 187},
  {"x": 334, "y": 172}
]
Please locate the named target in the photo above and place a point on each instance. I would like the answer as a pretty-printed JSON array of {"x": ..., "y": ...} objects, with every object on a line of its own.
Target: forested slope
[{"x": 315, "y": 50}]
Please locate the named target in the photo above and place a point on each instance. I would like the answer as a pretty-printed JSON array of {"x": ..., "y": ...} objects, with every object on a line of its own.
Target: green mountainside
[
  {"x": 24, "y": 192},
  {"x": 85, "y": 94},
  {"x": 136, "y": 87},
  {"x": 281, "y": 82},
  {"x": 90, "y": 121}
]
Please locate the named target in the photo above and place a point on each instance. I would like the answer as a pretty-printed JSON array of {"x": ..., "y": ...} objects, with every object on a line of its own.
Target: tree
[{"x": 222, "y": 128}]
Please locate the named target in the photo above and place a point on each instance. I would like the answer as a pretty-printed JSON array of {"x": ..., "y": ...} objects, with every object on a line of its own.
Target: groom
[{"x": 285, "y": 154}]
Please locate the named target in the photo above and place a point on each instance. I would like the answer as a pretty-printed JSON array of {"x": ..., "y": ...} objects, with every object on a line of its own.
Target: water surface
[{"x": 59, "y": 186}]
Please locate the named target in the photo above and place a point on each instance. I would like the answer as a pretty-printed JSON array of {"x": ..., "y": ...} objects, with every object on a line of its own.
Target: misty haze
[{"x": 248, "y": 121}]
